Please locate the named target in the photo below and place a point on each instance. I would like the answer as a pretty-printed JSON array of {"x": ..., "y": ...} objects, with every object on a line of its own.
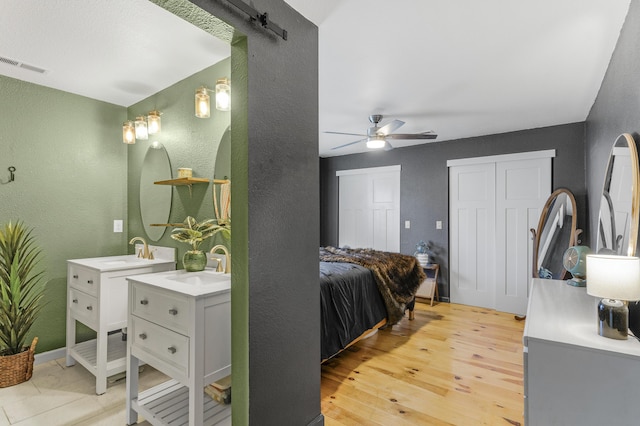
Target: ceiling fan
[{"x": 378, "y": 137}]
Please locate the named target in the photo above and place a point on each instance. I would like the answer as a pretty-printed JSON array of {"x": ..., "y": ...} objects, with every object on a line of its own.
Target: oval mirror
[
  {"x": 555, "y": 234},
  {"x": 618, "y": 218},
  {"x": 155, "y": 200}
]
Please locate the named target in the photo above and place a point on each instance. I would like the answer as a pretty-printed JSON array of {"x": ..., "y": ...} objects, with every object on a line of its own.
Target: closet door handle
[
  {"x": 144, "y": 302},
  {"x": 142, "y": 336},
  {"x": 173, "y": 311},
  {"x": 172, "y": 349}
]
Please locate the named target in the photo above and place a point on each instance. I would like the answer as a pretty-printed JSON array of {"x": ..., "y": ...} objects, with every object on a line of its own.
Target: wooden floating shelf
[{"x": 182, "y": 181}]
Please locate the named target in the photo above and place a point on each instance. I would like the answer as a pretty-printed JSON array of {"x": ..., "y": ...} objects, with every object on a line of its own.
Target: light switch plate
[
  {"x": 438, "y": 224},
  {"x": 407, "y": 224},
  {"x": 117, "y": 225}
]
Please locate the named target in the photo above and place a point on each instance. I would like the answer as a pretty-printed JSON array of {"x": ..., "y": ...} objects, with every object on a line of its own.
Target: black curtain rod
[{"x": 262, "y": 18}]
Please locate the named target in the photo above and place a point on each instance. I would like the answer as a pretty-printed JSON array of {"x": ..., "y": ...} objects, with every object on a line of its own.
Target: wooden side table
[{"x": 429, "y": 287}]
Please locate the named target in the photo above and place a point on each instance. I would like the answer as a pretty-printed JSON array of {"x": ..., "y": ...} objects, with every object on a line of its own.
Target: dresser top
[{"x": 564, "y": 314}]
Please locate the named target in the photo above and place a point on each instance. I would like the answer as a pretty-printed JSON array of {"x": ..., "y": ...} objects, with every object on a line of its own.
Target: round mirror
[
  {"x": 155, "y": 200},
  {"x": 556, "y": 233},
  {"x": 618, "y": 219}
]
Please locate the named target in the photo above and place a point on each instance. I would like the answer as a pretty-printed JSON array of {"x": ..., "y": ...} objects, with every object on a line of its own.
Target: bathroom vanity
[
  {"x": 97, "y": 297},
  {"x": 180, "y": 324}
]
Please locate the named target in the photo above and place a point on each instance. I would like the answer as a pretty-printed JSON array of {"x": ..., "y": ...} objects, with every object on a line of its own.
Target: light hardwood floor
[{"x": 452, "y": 365}]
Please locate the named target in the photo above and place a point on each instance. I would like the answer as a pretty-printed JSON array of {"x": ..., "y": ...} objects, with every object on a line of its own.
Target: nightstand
[{"x": 429, "y": 287}]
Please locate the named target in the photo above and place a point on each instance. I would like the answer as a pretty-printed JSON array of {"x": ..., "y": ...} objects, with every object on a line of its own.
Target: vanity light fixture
[
  {"x": 203, "y": 104},
  {"x": 617, "y": 280},
  {"x": 128, "y": 132},
  {"x": 141, "y": 128},
  {"x": 223, "y": 94},
  {"x": 153, "y": 120}
]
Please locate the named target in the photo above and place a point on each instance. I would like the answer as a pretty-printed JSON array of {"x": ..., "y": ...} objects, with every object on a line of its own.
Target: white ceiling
[
  {"x": 118, "y": 51},
  {"x": 462, "y": 68}
]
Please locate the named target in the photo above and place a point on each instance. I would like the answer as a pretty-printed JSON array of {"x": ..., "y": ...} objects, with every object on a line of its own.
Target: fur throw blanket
[{"x": 398, "y": 276}]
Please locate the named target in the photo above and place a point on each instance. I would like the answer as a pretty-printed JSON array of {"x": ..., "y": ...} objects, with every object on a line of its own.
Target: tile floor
[{"x": 60, "y": 395}]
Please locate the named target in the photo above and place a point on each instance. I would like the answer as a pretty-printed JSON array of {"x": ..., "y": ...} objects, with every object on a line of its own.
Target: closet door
[
  {"x": 472, "y": 239},
  {"x": 522, "y": 188},
  {"x": 493, "y": 202},
  {"x": 369, "y": 208}
]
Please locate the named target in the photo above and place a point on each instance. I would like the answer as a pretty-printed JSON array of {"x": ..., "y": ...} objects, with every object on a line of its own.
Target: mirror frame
[
  {"x": 541, "y": 223},
  {"x": 635, "y": 194}
]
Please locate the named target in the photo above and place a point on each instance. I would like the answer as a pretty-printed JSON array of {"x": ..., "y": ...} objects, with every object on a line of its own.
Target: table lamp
[{"x": 617, "y": 280}]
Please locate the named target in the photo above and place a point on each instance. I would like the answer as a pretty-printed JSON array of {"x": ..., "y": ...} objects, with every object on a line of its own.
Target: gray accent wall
[
  {"x": 424, "y": 197},
  {"x": 616, "y": 109}
]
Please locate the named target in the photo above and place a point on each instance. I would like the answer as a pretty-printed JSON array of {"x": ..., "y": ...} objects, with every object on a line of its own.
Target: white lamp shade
[{"x": 613, "y": 277}]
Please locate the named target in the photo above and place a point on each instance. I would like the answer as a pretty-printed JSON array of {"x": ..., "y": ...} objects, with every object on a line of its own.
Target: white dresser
[
  {"x": 97, "y": 297},
  {"x": 573, "y": 376},
  {"x": 179, "y": 323}
]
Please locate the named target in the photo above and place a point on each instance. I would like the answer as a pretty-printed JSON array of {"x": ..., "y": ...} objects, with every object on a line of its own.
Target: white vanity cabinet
[
  {"x": 180, "y": 324},
  {"x": 572, "y": 375},
  {"x": 97, "y": 297}
]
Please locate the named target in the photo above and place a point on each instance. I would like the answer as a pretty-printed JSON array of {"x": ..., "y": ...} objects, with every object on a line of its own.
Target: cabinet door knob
[
  {"x": 144, "y": 302},
  {"x": 75, "y": 276},
  {"x": 89, "y": 281},
  {"x": 89, "y": 308},
  {"x": 143, "y": 336},
  {"x": 75, "y": 300},
  {"x": 172, "y": 349},
  {"x": 173, "y": 311}
]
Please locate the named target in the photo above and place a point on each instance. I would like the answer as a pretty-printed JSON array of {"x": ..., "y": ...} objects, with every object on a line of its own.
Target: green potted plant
[
  {"x": 195, "y": 233},
  {"x": 21, "y": 293}
]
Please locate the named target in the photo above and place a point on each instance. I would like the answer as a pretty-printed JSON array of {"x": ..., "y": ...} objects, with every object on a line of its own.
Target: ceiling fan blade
[
  {"x": 425, "y": 135},
  {"x": 347, "y": 144},
  {"x": 388, "y": 146},
  {"x": 390, "y": 127},
  {"x": 342, "y": 133}
]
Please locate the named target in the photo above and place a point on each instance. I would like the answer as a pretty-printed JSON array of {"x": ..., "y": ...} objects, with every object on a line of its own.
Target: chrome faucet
[
  {"x": 144, "y": 254},
  {"x": 227, "y": 257}
]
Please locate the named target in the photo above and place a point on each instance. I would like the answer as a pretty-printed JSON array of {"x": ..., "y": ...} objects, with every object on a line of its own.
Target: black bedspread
[{"x": 350, "y": 304}]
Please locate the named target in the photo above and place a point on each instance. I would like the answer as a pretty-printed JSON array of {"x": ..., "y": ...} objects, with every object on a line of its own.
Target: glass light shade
[
  {"x": 375, "y": 143},
  {"x": 153, "y": 119},
  {"x": 128, "y": 133},
  {"x": 141, "y": 129},
  {"x": 613, "y": 277},
  {"x": 223, "y": 94},
  {"x": 203, "y": 104}
]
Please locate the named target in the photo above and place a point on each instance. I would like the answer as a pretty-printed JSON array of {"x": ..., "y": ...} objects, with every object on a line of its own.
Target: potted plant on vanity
[
  {"x": 195, "y": 233},
  {"x": 21, "y": 293}
]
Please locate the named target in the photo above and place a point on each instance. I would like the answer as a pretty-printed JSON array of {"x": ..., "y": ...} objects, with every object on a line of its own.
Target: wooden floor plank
[{"x": 452, "y": 365}]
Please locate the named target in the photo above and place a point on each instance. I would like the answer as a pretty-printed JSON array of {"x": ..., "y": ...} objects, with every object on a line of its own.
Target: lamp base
[{"x": 613, "y": 319}]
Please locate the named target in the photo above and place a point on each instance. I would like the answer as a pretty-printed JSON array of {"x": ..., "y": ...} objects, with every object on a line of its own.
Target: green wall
[
  {"x": 71, "y": 183},
  {"x": 189, "y": 142}
]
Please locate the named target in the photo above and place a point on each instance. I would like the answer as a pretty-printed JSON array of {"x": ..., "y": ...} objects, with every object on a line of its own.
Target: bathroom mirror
[
  {"x": 155, "y": 200},
  {"x": 619, "y": 202},
  {"x": 555, "y": 234},
  {"x": 223, "y": 157}
]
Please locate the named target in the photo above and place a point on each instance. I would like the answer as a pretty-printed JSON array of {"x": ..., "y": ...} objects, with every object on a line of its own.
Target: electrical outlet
[
  {"x": 407, "y": 224},
  {"x": 117, "y": 225}
]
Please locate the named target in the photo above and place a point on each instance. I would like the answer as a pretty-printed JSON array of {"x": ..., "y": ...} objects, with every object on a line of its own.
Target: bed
[{"x": 362, "y": 290}]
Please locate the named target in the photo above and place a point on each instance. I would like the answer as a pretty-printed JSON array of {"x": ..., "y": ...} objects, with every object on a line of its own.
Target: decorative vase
[{"x": 194, "y": 260}]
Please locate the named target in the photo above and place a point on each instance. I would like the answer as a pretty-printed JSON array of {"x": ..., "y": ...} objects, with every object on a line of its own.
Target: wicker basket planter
[{"x": 15, "y": 369}]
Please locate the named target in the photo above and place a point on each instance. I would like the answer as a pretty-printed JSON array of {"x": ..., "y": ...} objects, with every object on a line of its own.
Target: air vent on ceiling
[{"x": 22, "y": 65}]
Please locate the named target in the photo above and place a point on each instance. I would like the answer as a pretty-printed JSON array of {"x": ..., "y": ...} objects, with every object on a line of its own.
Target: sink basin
[
  {"x": 127, "y": 261},
  {"x": 205, "y": 277}
]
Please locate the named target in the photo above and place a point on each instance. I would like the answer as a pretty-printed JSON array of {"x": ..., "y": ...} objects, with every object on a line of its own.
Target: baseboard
[
  {"x": 318, "y": 421},
  {"x": 43, "y": 357}
]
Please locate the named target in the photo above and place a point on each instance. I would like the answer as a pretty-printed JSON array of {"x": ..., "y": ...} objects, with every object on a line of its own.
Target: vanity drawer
[
  {"x": 84, "y": 307},
  {"x": 84, "y": 279},
  {"x": 166, "y": 345},
  {"x": 165, "y": 308}
]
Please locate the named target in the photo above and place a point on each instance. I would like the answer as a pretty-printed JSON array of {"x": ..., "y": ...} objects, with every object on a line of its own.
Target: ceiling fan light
[{"x": 376, "y": 143}]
